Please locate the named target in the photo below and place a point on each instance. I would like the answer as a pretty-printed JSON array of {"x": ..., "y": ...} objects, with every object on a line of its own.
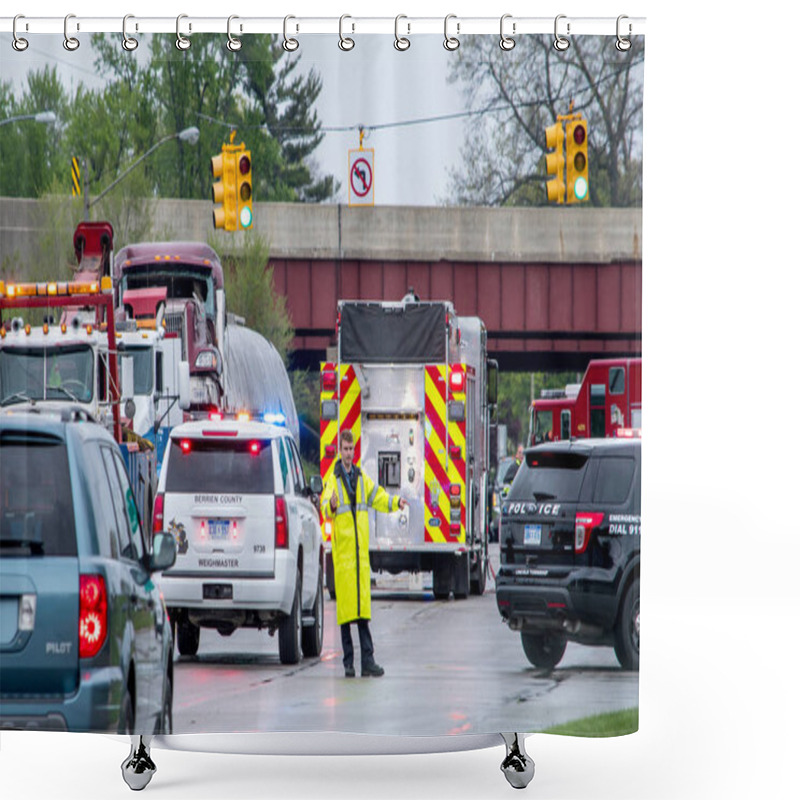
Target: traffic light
[
  {"x": 577, "y": 161},
  {"x": 554, "y": 136},
  {"x": 223, "y": 166},
  {"x": 244, "y": 189}
]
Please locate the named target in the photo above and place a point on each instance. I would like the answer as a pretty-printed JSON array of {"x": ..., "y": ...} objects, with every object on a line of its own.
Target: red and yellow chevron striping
[{"x": 445, "y": 467}]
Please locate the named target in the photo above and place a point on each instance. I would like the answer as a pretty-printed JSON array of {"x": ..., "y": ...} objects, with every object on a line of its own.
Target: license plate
[
  {"x": 218, "y": 529},
  {"x": 533, "y": 535}
]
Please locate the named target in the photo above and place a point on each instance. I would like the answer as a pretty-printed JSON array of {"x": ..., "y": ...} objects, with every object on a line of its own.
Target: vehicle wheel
[
  {"x": 127, "y": 713},
  {"x": 442, "y": 577},
  {"x": 477, "y": 584},
  {"x": 165, "y": 727},
  {"x": 312, "y": 635},
  {"x": 289, "y": 633},
  {"x": 626, "y": 632},
  {"x": 461, "y": 577},
  {"x": 544, "y": 650},
  {"x": 330, "y": 577},
  {"x": 188, "y": 638}
]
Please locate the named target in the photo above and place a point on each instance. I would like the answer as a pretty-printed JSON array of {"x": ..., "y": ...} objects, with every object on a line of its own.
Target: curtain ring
[
  {"x": 451, "y": 42},
  {"x": 506, "y": 42},
  {"x": 345, "y": 42},
  {"x": 70, "y": 42},
  {"x": 181, "y": 42},
  {"x": 560, "y": 42},
  {"x": 401, "y": 42},
  {"x": 19, "y": 44},
  {"x": 289, "y": 44},
  {"x": 623, "y": 43},
  {"x": 129, "y": 43},
  {"x": 233, "y": 44}
]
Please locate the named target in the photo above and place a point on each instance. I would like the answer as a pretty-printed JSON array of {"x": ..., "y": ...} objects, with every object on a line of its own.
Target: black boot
[{"x": 371, "y": 670}]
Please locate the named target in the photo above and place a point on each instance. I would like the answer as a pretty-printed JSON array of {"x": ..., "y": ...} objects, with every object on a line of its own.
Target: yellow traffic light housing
[
  {"x": 223, "y": 166},
  {"x": 554, "y": 137},
  {"x": 244, "y": 190},
  {"x": 577, "y": 160}
]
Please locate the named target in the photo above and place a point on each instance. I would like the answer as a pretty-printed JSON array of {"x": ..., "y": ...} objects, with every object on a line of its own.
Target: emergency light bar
[
  {"x": 54, "y": 289},
  {"x": 275, "y": 418}
]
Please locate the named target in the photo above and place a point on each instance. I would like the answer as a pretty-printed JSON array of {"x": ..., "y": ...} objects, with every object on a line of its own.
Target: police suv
[
  {"x": 233, "y": 494},
  {"x": 569, "y": 537}
]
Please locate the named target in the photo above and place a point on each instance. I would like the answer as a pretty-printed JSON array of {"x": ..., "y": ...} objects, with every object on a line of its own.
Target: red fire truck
[{"x": 607, "y": 402}]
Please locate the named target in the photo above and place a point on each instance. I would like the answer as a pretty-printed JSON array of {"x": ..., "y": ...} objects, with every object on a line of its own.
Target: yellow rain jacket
[{"x": 350, "y": 539}]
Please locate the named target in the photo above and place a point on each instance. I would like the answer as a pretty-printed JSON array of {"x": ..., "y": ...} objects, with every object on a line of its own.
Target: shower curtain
[{"x": 499, "y": 174}]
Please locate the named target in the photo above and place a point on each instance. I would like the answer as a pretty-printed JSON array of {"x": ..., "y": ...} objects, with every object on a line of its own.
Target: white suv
[{"x": 250, "y": 554}]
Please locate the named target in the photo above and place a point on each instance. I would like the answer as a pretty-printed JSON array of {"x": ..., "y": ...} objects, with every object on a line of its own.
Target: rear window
[
  {"x": 614, "y": 478},
  {"x": 550, "y": 476},
  {"x": 37, "y": 517},
  {"x": 214, "y": 467}
]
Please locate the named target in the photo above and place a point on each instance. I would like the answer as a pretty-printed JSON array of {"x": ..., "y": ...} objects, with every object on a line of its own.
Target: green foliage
[
  {"x": 150, "y": 97},
  {"x": 249, "y": 289}
]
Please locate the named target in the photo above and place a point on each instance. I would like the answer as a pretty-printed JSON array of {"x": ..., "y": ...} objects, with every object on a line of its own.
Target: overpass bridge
[{"x": 555, "y": 287}]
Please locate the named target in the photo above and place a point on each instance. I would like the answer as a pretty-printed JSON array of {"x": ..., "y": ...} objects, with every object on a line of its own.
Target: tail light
[
  {"x": 328, "y": 381},
  {"x": 455, "y": 494},
  {"x": 281, "y": 523},
  {"x": 457, "y": 381},
  {"x": 93, "y": 624},
  {"x": 584, "y": 524},
  {"x": 158, "y": 513}
]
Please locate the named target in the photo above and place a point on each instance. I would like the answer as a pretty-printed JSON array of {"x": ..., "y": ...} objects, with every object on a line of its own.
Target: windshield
[
  {"x": 550, "y": 476},
  {"x": 46, "y": 373},
  {"x": 185, "y": 283},
  {"x": 142, "y": 367},
  {"x": 542, "y": 426}
]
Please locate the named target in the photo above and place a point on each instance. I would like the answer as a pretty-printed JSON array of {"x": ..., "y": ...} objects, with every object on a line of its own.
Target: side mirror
[
  {"x": 126, "y": 366},
  {"x": 164, "y": 552},
  {"x": 315, "y": 483},
  {"x": 491, "y": 382},
  {"x": 184, "y": 398}
]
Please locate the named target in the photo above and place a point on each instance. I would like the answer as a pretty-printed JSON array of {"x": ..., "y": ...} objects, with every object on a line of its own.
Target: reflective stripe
[
  {"x": 342, "y": 509},
  {"x": 372, "y": 494},
  {"x": 362, "y": 507}
]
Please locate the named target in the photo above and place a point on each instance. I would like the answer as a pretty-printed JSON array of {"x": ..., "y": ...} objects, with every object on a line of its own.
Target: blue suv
[{"x": 85, "y": 641}]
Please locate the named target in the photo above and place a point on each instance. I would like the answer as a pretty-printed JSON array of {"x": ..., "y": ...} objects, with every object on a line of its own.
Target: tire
[
  {"x": 127, "y": 713},
  {"x": 330, "y": 577},
  {"x": 442, "y": 577},
  {"x": 477, "y": 584},
  {"x": 312, "y": 636},
  {"x": 544, "y": 650},
  {"x": 165, "y": 723},
  {"x": 289, "y": 633},
  {"x": 626, "y": 631},
  {"x": 461, "y": 577},
  {"x": 188, "y": 638}
]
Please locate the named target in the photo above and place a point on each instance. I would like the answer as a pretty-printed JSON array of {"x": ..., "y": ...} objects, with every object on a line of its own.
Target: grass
[{"x": 615, "y": 723}]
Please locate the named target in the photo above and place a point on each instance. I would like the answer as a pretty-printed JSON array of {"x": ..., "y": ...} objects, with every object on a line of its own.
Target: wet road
[{"x": 451, "y": 667}]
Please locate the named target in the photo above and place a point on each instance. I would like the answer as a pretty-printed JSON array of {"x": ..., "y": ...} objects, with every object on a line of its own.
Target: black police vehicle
[{"x": 569, "y": 557}]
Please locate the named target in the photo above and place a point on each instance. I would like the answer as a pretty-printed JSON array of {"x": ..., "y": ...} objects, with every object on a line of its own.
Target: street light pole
[
  {"x": 190, "y": 135},
  {"x": 46, "y": 117}
]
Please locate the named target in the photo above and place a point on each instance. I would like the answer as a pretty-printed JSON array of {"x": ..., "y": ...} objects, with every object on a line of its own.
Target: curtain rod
[{"x": 185, "y": 25}]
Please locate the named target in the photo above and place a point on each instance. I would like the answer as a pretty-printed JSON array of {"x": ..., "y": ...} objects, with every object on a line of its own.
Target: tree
[
  {"x": 515, "y": 95},
  {"x": 253, "y": 91}
]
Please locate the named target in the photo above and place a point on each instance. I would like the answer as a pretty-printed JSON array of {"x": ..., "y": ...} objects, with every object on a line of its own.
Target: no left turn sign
[{"x": 361, "y": 183}]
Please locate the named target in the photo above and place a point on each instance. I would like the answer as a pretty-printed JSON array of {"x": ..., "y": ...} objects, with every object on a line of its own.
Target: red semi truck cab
[{"x": 607, "y": 402}]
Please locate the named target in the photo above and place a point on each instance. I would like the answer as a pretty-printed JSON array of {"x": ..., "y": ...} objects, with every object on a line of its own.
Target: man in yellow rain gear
[{"x": 346, "y": 499}]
